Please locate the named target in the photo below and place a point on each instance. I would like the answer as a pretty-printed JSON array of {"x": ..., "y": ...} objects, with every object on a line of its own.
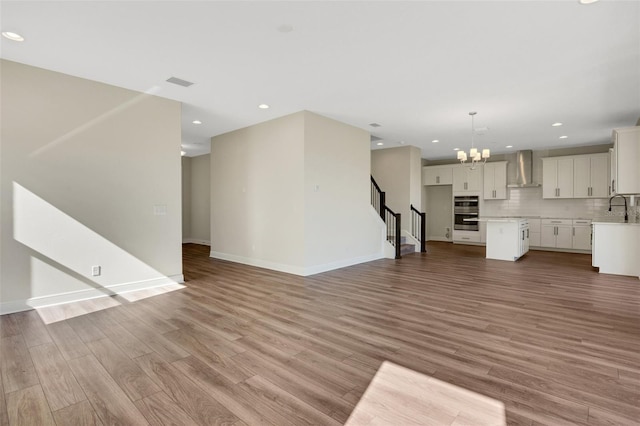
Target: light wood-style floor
[{"x": 554, "y": 341}]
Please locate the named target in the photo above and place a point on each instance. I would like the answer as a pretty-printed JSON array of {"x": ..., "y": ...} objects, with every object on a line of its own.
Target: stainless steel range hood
[{"x": 524, "y": 170}]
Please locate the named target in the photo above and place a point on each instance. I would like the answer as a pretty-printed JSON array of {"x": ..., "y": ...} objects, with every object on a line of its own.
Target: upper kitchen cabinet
[
  {"x": 626, "y": 151},
  {"x": 437, "y": 175},
  {"x": 495, "y": 181},
  {"x": 466, "y": 179},
  {"x": 557, "y": 177},
  {"x": 591, "y": 176}
]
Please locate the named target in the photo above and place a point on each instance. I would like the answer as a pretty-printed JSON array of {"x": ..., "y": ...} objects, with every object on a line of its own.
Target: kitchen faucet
[{"x": 626, "y": 215}]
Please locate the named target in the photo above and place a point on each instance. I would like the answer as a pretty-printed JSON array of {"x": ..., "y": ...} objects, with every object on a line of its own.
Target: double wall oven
[{"x": 466, "y": 207}]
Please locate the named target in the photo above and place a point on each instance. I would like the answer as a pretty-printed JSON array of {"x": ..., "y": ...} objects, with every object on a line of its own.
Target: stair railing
[
  {"x": 419, "y": 227},
  {"x": 377, "y": 198},
  {"x": 391, "y": 219}
]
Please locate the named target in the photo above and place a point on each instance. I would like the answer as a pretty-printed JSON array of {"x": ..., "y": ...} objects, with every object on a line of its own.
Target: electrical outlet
[{"x": 96, "y": 271}]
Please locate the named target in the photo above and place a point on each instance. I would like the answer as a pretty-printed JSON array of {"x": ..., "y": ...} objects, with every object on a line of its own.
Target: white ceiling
[{"x": 416, "y": 68}]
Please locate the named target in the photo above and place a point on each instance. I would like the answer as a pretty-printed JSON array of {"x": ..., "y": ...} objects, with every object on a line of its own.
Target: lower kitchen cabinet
[
  {"x": 556, "y": 233},
  {"x": 581, "y": 234},
  {"x": 534, "y": 232}
]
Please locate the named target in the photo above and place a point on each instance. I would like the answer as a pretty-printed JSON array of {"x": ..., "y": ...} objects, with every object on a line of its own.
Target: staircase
[
  {"x": 392, "y": 221},
  {"x": 406, "y": 248}
]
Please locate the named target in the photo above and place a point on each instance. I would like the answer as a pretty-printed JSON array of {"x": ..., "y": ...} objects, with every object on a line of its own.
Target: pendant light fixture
[{"x": 474, "y": 155}]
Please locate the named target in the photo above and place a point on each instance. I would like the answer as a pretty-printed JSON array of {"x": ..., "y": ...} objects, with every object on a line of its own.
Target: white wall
[
  {"x": 398, "y": 171},
  {"x": 200, "y": 211},
  {"x": 257, "y": 194},
  {"x": 341, "y": 227},
  {"x": 439, "y": 209},
  {"x": 186, "y": 198},
  {"x": 266, "y": 210},
  {"x": 84, "y": 166}
]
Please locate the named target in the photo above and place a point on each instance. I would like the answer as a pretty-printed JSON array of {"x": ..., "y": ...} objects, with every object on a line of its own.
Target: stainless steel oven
[{"x": 466, "y": 207}]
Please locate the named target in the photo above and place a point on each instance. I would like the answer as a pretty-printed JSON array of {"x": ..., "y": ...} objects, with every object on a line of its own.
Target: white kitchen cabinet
[
  {"x": 466, "y": 236},
  {"x": 556, "y": 233},
  {"x": 495, "y": 181},
  {"x": 437, "y": 175},
  {"x": 507, "y": 238},
  {"x": 612, "y": 171},
  {"x": 466, "y": 179},
  {"x": 581, "y": 237},
  {"x": 616, "y": 247},
  {"x": 557, "y": 177},
  {"x": 626, "y": 144},
  {"x": 534, "y": 232},
  {"x": 591, "y": 176}
]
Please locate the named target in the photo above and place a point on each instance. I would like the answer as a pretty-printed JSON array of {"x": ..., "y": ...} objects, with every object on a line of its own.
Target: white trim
[
  {"x": 86, "y": 294},
  {"x": 295, "y": 270},
  {"x": 196, "y": 241},
  {"x": 342, "y": 263},
  {"x": 445, "y": 239},
  {"x": 289, "y": 269}
]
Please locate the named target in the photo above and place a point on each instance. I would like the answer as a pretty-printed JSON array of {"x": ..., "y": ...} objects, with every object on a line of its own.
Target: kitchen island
[
  {"x": 507, "y": 238},
  {"x": 616, "y": 247}
]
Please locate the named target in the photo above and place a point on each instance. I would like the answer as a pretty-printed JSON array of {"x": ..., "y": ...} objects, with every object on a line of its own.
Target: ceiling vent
[
  {"x": 179, "y": 81},
  {"x": 375, "y": 125},
  {"x": 375, "y": 138}
]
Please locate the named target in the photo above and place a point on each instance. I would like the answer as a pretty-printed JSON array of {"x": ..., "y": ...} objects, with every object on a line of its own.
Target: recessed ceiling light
[
  {"x": 183, "y": 153},
  {"x": 401, "y": 142},
  {"x": 587, "y": 1},
  {"x": 12, "y": 36},
  {"x": 380, "y": 144},
  {"x": 563, "y": 137},
  {"x": 456, "y": 149},
  {"x": 435, "y": 141},
  {"x": 556, "y": 124},
  {"x": 263, "y": 106},
  {"x": 509, "y": 146},
  {"x": 197, "y": 122}
]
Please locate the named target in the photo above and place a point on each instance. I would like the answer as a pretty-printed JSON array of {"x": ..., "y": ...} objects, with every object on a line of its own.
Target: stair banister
[{"x": 419, "y": 227}]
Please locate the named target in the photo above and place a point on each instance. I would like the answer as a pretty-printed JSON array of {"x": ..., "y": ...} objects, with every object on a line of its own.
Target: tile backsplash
[{"x": 529, "y": 202}]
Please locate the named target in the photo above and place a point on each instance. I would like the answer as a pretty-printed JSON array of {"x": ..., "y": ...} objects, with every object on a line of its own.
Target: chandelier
[{"x": 474, "y": 155}]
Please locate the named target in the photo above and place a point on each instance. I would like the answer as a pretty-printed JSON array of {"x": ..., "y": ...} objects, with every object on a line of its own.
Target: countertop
[
  {"x": 496, "y": 219},
  {"x": 614, "y": 221}
]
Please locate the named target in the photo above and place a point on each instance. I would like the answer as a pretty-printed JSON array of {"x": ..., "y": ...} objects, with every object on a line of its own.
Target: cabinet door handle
[
  {"x": 609, "y": 190},
  {"x": 613, "y": 185},
  {"x": 437, "y": 179},
  {"x": 527, "y": 232}
]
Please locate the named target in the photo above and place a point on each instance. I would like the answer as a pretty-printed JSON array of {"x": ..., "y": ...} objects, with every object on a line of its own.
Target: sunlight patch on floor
[
  {"x": 400, "y": 396},
  {"x": 55, "y": 313}
]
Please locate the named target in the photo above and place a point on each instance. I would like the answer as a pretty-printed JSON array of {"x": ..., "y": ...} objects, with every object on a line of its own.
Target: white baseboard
[
  {"x": 90, "y": 293},
  {"x": 196, "y": 241},
  {"x": 289, "y": 269},
  {"x": 342, "y": 264},
  {"x": 295, "y": 270},
  {"x": 445, "y": 239}
]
